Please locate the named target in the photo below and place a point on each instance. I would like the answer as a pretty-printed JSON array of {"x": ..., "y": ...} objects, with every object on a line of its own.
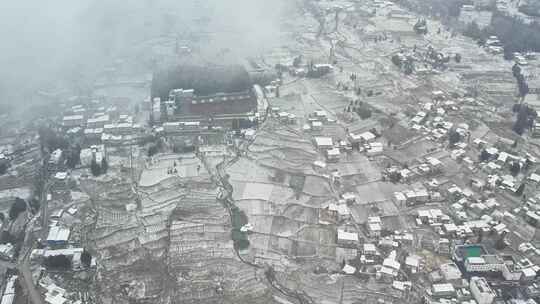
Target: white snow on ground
[
  {"x": 23, "y": 192},
  {"x": 157, "y": 169},
  {"x": 257, "y": 191}
]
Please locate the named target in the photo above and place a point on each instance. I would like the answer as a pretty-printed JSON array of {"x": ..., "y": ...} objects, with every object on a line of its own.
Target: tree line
[
  {"x": 445, "y": 9},
  {"x": 514, "y": 34},
  {"x": 204, "y": 80}
]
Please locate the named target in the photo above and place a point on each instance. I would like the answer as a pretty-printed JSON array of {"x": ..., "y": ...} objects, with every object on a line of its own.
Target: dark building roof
[{"x": 205, "y": 81}]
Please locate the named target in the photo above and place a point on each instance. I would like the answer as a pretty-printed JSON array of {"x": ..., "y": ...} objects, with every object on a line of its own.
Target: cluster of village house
[
  {"x": 98, "y": 127},
  {"x": 101, "y": 125},
  {"x": 465, "y": 280}
]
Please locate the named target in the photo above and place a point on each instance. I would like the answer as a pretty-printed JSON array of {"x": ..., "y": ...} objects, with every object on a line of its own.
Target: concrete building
[
  {"x": 55, "y": 294},
  {"x": 369, "y": 249},
  {"x": 347, "y": 238},
  {"x": 443, "y": 290},
  {"x": 484, "y": 263},
  {"x": 528, "y": 274},
  {"x": 412, "y": 262},
  {"x": 58, "y": 236},
  {"x": 481, "y": 291}
]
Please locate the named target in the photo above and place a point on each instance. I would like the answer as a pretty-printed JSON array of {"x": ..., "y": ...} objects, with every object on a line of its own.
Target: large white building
[
  {"x": 481, "y": 291},
  {"x": 73, "y": 121},
  {"x": 484, "y": 263},
  {"x": 8, "y": 296}
]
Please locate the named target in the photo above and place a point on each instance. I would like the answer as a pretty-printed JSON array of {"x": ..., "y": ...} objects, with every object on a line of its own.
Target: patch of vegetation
[
  {"x": 239, "y": 219},
  {"x": 58, "y": 262},
  {"x": 17, "y": 208},
  {"x": 98, "y": 169},
  {"x": 525, "y": 118},
  {"x": 514, "y": 34},
  {"x": 86, "y": 258}
]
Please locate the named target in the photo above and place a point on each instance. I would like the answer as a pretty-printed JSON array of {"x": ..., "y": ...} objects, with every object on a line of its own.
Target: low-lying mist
[{"x": 56, "y": 44}]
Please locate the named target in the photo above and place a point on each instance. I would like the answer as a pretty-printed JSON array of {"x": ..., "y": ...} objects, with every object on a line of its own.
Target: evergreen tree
[
  {"x": 95, "y": 168},
  {"x": 396, "y": 60},
  {"x": 104, "y": 165},
  {"x": 73, "y": 157},
  {"x": 515, "y": 167},
  {"x": 516, "y": 70},
  {"x": 152, "y": 150},
  {"x": 86, "y": 258},
  {"x": 523, "y": 87}
]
